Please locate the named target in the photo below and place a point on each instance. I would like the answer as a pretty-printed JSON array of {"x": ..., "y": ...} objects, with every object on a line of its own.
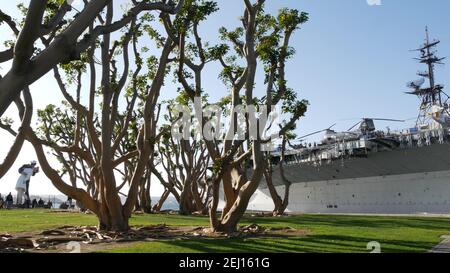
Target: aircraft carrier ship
[{"x": 365, "y": 170}]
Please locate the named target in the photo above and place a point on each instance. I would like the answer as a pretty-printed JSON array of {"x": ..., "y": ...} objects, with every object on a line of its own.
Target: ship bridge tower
[{"x": 434, "y": 108}]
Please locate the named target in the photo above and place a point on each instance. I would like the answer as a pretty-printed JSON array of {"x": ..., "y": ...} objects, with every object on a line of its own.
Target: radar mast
[{"x": 433, "y": 106}]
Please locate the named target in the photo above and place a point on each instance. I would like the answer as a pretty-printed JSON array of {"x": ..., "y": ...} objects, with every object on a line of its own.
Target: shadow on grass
[
  {"x": 330, "y": 233},
  {"x": 354, "y": 221},
  {"x": 309, "y": 244}
]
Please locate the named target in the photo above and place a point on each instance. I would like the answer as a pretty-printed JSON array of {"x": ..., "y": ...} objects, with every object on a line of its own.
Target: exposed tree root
[{"x": 58, "y": 238}]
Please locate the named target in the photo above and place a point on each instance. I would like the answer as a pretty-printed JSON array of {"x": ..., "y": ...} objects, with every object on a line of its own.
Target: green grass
[
  {"x": 329, "y": 233},
  {"x": 14, "y": 221}
]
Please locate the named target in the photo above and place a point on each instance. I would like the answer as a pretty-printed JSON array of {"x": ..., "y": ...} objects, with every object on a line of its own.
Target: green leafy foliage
[
  {"x": 291, "y": 104},
  {"x": 57, "y": 124}
]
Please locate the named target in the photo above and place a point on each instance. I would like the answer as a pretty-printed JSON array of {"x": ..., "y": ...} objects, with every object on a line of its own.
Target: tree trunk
[
  {"x": 137, "y": 206},
  {"x": 186, "y": 200},
  {"x": 107, "y": 222},
  {"x": 215, "y": 195},
  {"x": 280, "y": 204},
  {"x": 198, "y": 202},
  {"x": 145, "y": 202},
  {"x": 232, "y": 178},
  {"x": 157, "y": 207},
  {"x": 20, "y": 137},
  {"x": 230, "y": 219},
  {"x": 186, "y": 207}
]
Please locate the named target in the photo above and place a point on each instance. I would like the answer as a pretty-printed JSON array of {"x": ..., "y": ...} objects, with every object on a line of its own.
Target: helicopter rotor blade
[
  {"x": 315, "y": 133},
  {"x": 311, "y": 134},
  {"x": 387, "y": 119},
  {"x": 380, "y": 119},
  {"x": 351, "y": 128}
]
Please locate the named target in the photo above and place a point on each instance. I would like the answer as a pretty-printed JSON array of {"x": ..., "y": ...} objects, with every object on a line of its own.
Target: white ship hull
[
  {"x": 396, "y": 190},
  {"x": 396, "y": 194}
]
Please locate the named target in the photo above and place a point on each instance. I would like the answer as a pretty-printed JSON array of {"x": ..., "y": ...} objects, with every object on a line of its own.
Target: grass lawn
[{"x": 329, "y": 233}]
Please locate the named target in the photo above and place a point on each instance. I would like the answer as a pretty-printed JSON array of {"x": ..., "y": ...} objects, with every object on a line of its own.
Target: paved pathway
[{"x": 443, "y": 247}]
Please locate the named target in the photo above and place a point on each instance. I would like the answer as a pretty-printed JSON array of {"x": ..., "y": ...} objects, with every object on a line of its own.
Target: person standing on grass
[
  {"x": 69, "y": 201},
  {"x": 23, "y": 183},
  {"x": 9, "y": 201}
]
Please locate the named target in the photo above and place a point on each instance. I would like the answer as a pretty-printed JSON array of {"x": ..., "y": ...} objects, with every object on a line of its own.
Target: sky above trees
[{"x": 352, "y": 61}]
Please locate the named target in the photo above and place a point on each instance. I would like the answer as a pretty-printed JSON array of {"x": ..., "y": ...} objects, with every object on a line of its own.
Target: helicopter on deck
[{"x": 365, "y": 130}]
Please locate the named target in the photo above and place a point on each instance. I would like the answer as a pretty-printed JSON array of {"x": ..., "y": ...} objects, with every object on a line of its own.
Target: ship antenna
[
  {"x": 431, "y": 67},
  {"x": 431, "y": 97}
]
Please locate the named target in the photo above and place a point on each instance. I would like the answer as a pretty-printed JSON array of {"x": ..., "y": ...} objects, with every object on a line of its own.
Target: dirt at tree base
[{"x": 90, "y": 239}]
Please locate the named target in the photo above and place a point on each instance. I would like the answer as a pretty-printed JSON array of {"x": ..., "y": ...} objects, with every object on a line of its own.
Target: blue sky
[{"x": 352, "y": 61}]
